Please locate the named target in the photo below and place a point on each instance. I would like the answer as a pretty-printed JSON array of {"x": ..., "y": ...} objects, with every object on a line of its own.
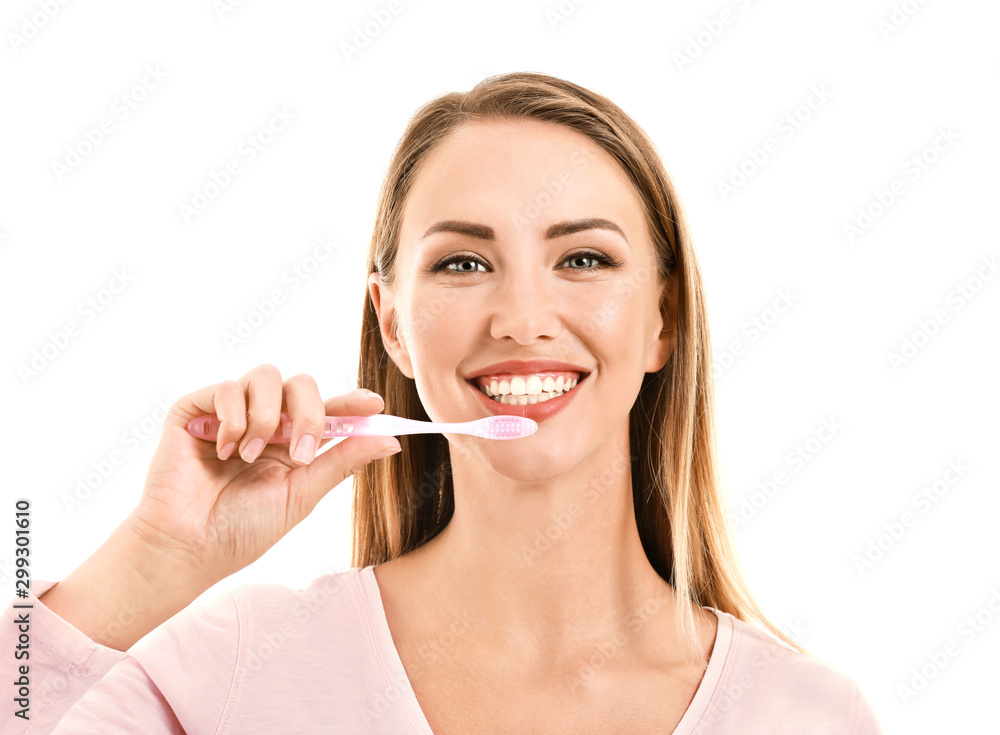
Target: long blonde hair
[{"x": 405, "y": 500}]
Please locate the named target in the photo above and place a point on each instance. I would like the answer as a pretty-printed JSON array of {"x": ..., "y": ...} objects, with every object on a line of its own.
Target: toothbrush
[{"x": 491, "y": 427}]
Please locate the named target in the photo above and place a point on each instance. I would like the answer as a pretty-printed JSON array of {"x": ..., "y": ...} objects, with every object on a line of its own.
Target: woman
[{"x": 529, "y": 251}]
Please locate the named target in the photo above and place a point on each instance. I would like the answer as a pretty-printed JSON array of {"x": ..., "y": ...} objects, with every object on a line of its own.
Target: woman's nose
[{"x": 527, "y": 305}]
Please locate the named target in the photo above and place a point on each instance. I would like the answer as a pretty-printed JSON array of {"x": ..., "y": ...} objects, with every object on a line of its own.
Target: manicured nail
[
  {"x": 227, "y": 450},
  {"x": 305, "y": 449},
  {"x": 386, "y": 452},
  {"x": 252, "y": 449}
]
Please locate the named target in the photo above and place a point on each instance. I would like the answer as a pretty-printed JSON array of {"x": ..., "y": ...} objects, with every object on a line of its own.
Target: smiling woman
[
  {"x": 555, "y": 541},
  {"x": 530, "y": 257}
]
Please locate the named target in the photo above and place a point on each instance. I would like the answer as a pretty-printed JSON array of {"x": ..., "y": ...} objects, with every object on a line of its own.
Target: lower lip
[{"x": 536, "y": 412}]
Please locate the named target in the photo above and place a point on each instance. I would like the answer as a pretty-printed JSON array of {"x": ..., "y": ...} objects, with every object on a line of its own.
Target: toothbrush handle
[{"x": 207, "y": 427}]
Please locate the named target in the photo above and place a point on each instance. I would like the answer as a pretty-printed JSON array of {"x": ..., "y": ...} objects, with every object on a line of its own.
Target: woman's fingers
[
  {"x": 360, "y": 402},
  {"x": 226, "y": 400},
  {"x": 249, "y": 412},
  {"x": 351, "y": 454},
  {"x": 264, "y": 390},
  {"x": 231, "y": 409},
  {"x": 306, "y": 412},
  {"x": 311, "y": 482}
]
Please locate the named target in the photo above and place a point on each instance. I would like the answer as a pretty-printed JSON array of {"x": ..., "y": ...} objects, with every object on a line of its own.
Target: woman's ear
[
  {"x": 665, "y": 341},
  {"x": 384, "y": 302}
]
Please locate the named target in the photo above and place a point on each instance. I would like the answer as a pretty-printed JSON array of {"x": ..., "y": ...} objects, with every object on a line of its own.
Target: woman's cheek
[
  {"x": 430, "y": 307},
  {"x": 605, "y": 311}
]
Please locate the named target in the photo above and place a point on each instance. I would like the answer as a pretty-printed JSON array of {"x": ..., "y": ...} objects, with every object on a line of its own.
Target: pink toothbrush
[{"x": 381, "y": 424}]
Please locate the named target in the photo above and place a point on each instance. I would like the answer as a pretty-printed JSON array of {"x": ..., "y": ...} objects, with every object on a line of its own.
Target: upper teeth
[{"x": 529, "y": 388}]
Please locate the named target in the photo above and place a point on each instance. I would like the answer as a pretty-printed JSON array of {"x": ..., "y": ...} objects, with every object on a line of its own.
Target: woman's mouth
[
  {"x": 522, "y": 390},
  {"x": 537, "y": 396}
]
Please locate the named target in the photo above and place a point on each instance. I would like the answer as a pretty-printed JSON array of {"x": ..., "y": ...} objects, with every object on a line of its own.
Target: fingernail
[
  {"x": 305, "y": 449},
  {"x": 386, "y": 452},
  {"x": 376, "y": 396},
  {"x": 227, "y": 450},
  {"x": 252, "y": 449}
]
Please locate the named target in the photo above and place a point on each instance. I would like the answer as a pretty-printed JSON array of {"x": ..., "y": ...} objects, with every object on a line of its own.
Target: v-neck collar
[{"x": 392, "y": 665}]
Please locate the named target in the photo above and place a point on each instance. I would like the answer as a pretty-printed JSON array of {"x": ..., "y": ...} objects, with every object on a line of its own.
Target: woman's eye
[
  {"x": 468, "y": 263},
  {"x": 460, "y": 260},
  {"x": 585, "y": 257}
]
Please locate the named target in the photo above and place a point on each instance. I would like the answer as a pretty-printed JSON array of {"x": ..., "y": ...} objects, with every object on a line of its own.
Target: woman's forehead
[
  {"x": 519, "y": 176},
  {"x": 533, "y": 148}
]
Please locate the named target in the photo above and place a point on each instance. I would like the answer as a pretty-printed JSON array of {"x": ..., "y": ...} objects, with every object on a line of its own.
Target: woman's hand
[
  {"x": 219, "y": 506},
  {"x": 202, "y": 518}
]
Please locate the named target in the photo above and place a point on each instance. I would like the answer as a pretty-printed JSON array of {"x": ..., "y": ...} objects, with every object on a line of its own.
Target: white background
[{"x": 893, "y": 76}]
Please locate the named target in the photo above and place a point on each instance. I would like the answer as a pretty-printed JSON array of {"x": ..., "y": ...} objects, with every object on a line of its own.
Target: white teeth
[
  {"x": 530, "y": 385},
  {"x": 528, "y": 391}
]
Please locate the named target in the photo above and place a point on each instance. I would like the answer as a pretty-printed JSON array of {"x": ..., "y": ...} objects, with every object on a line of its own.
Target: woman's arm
[
  {"x": 124, "y": 590},
  {"x": 64, "y": 668},
  {"x": 205, "y": 513},
  {"x": 77, "y": 685},
  {"x": 78, "y": 630}
]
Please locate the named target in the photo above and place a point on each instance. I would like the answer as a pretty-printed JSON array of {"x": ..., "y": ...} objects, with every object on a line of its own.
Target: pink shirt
[{"x": 264, "y": 658}]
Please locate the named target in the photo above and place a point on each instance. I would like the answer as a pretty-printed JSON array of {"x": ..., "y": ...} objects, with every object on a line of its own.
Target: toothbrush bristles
[{"x": 508, "y": 427}]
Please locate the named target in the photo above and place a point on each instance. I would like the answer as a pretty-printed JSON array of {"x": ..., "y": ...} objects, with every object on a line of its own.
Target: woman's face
[{"x": 504, "y": 286}]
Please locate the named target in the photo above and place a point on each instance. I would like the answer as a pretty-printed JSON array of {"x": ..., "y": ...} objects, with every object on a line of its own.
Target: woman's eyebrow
[{"x": 557, "y": 230}]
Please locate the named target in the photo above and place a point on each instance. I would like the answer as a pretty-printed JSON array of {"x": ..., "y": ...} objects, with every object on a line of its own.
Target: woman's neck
[{"x": 548, "y": 566}]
